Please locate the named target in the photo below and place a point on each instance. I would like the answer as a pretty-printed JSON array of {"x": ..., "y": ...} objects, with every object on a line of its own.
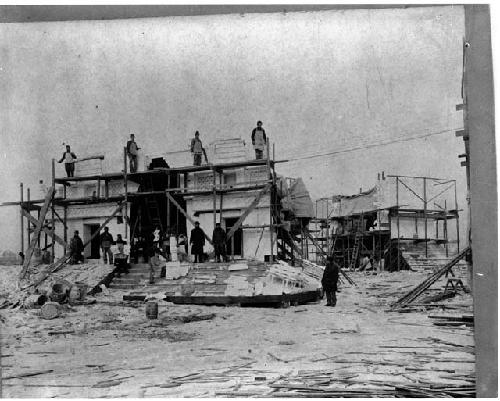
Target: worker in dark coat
[
  {"x": 197, "y": 242},
  {"x": 76, "y": 249},
  {"x": 219, "y": 240},
  {"x": 329, "y": 281}
]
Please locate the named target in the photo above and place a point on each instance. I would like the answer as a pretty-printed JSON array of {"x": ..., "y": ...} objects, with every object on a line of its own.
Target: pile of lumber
[{"x": 422, "y": 287}]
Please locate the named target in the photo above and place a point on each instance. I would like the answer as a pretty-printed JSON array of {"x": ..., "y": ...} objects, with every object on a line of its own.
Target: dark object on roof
[{"x": 158, "y": 162}]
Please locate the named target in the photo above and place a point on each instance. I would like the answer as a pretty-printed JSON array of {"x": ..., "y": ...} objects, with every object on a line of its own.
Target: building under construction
[{"x": 419, "y": 216}]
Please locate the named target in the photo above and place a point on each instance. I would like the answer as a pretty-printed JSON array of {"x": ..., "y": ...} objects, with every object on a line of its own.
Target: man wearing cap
[
  {"x": 132, "y": 151},
  {"x": 329, "y": 281},
  {"x": 219, "y": 240},
  {"x": 76, "y": 249},
  {"x": 106, "y": 242},
  {"x": 196, "y": 149},
  {"x": 197, "y": 242},
  {"x": 259, "y": 140}
]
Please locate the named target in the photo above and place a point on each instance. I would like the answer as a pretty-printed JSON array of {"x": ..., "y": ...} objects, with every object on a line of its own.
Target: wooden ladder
[{"x": 355, "y": 251}]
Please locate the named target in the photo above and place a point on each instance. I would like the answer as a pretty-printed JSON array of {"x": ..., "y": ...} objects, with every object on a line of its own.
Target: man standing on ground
[
  {"x": 197, "y": 242},
  {"x": 219, "y": 240},
  {"x": 196, "y": 149},
  {"x": 106, "y": 242},
  {"x": 259, "y": 140},
  {"x": 76, "y": 249},
  {"x": 132, "y": 150},
  {"x": 69, "y": 161},
  {"x": 329, "y": 281}
]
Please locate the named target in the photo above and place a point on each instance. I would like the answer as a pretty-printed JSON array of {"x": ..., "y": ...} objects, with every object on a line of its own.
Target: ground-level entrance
[
  {"x": 88, "y": 231},
  {"x": 235, "y": 244}
]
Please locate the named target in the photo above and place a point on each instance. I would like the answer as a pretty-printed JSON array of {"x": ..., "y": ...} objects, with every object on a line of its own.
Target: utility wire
[{"x": 373, "y": 145}]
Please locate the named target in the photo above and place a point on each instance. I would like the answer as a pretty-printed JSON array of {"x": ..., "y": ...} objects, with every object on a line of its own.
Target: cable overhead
[{"x": 373, "y": 145}]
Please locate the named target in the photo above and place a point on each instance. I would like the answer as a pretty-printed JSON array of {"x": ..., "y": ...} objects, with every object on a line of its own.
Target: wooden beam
[
  {"x": 34, "y": 238},
  {"x": 247, "y": 212},
  {"x": 46, "y": 230},
  {"x": 57, "y": 265},
  {"x": 187, "y": 216}
]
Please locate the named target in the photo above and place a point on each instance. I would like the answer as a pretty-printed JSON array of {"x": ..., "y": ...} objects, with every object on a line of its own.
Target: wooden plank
[
  {"x": 46, "y": 230},
  {"x": 34, "y": 238},
  {"x": 247, "y": 212},
  {"x": 187, "y": 216}
]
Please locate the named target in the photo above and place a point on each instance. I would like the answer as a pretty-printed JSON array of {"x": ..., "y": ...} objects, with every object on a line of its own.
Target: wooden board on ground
[{"x": 268, "y": 300}]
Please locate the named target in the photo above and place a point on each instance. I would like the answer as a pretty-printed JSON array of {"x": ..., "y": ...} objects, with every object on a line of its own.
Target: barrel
[
  {"x": 57, "y": 294},
  {"x": 152, "y": 310},
  {"x": 50, "y": 310}
]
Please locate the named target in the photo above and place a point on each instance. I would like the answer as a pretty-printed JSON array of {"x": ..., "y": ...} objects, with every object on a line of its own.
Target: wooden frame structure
[
  {"x": 217, "y": 190},
  {"x": 377, "y": 241}
]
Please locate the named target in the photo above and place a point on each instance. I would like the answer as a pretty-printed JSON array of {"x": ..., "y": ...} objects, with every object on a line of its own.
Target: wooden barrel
[
  {"x": 50, "y": 310},
  {"x": 57, "y": 294},
  {"x": 152, "y": 310}
]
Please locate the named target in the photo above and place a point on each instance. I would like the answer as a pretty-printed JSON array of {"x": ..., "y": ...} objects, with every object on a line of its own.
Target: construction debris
[{"x": 422, "y": 287}]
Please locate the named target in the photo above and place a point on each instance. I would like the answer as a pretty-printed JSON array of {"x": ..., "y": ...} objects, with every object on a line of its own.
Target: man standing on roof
[
  {"x": 196, "y": 149},
  {"x": 259, "y": 140},
  {"x": 197, "y": 242},
  {"x": 106, "y": 242},
  {"x": 132, "y": 150},
  {"x": 69, "y": 161}
]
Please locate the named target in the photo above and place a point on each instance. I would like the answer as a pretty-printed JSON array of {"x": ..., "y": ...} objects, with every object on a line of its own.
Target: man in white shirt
[
  {"x": 259, "y": 140},
  {"x": 132, "y": 151},
  {"x": 69, "y": 159}
]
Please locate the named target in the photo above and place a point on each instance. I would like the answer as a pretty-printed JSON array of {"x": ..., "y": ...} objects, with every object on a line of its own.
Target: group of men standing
[
  {"x": 259, "y": 141},
  {"x": 197, "y": 241}
]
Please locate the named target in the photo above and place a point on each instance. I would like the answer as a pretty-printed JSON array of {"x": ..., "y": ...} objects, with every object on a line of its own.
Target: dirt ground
[{"x": 110, "y": 349}]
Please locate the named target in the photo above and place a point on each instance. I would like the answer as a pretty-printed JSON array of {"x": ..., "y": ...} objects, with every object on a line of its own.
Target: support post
[
  {"x": 397, "y": 211},
  {"x": 52, "y": 222},
  {"x": 125, "y": 209},
  {"x": 28, "y": 201},
  {"x": 214, "y": 196},
  {"x": 65, "y": 217},
  {"x": 169, "y": 230},
  {"x": 445, "y": 227},
  {"x": 457, "y": 220},
  {"x": 21, "y": 215},
  {"x": 270, "y": 204},
  {"x": 425, "y": 215},
  {"x": 221, "y": 179}
]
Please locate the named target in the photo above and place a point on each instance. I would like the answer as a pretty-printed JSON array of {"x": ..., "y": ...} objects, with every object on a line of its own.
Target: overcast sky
[{"x": 322, "y": 82}]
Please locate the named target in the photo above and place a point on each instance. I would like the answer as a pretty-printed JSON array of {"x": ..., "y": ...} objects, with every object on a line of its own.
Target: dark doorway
[
  {"x": 95, "y": 243},
  {"x": 237, "y": 239}
]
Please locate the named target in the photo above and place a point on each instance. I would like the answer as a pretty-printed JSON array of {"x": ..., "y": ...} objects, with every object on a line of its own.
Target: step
[{"x": 124, "y": 286}]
